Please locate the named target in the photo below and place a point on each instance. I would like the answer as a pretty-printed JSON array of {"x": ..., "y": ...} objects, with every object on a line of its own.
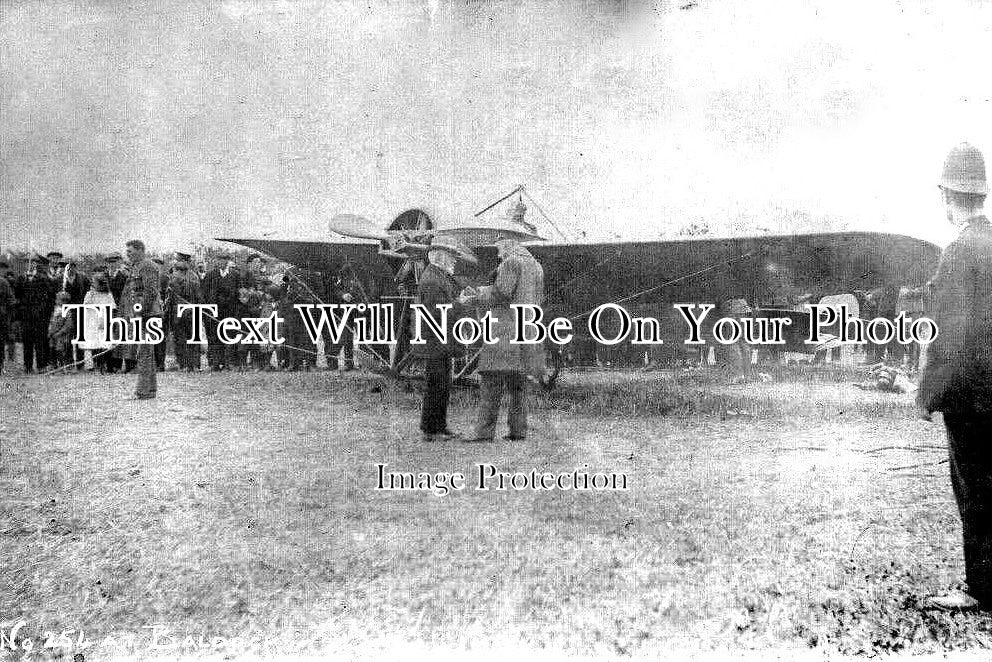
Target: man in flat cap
[
  {"x": 255, "y": 272},
  {"x": 35, "y": 293},
  {"x": 55, "y": 263},
  {"x": 116, "y": 275},
  {"x": 438, "y": 287},
  {"x": 184, "y": 288},
  {"x": 957, "y": 377}
]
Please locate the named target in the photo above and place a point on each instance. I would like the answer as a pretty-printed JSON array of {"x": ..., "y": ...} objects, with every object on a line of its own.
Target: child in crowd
[
  {"x": 98, "y": 355},
  {"x": 61, "y": 331}
]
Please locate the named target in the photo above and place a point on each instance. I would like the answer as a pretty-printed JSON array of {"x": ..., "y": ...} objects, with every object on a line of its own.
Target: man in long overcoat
[
  {"x": 437, "y": 287},
  {"x": 220, "y": 286},
  {"x": 504, "y": 366},
  {"x": 957, "y": 377},
  {"x": 183, "y": 289},
  {"x": 6, "y": 310},
  {"x": 142, "y": 287},
  {"x": 35, "y": 295}
]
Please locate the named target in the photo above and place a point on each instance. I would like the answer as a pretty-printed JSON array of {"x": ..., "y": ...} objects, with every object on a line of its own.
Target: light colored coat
[
  {"x": 93, "y": 321},
  {"x": 519, "y": 280}
]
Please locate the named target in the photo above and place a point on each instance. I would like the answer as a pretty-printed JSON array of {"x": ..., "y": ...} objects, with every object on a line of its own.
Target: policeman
[{"x": 957, "y": 377}]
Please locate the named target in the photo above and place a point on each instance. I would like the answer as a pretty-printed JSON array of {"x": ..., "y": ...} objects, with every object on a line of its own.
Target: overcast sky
[{"x": 178, "y": 121}]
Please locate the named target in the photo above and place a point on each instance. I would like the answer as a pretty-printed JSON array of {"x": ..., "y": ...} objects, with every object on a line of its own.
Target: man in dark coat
[
  {"x": 343, "y": 289},
  {"x": 437, "y": 287},
  {"x": 183, "y": 288},
  {"x": 957, "y": 378},
  {"x": 14, "y": 330},
  {"x": 116, "y": 275},
  {"x": 297, "y": 352},
  {"x": 6, "y": 310},
  {"x": 35, "y": 294},
  {"x": 220, "y": 287}
]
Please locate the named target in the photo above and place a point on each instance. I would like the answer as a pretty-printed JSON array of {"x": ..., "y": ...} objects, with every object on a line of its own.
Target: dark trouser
[
  {"x": 187, "y": 356},
  {"x": 971, "y": 476},
  {"x": 102, "y": 360},
  {"x": 332, "y": 350},
  {"x": 296, "y": 352},
  {"x": 492, "y": 385},
  {"x": 260, "y": 359},
  {"x": 215, "y": 348},
  {"x": 736, "y": 357},
  {"x": 147, "y": 373},
  {"x": 221, "y": 355},
  {"x": 348, "y": 345},
  {"x": 437, "y": 390},
  {"x": 61, "y": 354},
  {"x": 35, "y": 345},
  {"x": 160, "y": 351}
]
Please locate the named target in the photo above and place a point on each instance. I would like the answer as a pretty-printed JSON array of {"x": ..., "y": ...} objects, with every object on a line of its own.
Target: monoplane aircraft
[{"x": 772, "y": 272}]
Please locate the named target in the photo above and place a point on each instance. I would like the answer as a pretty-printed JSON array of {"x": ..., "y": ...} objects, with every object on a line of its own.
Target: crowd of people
[{"x": 31, "y": 313}]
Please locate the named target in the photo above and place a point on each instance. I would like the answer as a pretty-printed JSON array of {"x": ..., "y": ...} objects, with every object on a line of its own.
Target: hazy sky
[{"x": 178, "y": 121}]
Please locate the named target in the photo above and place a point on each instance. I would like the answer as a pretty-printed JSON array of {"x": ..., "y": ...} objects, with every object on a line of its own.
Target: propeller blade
[{"x": 359, "y": 227}]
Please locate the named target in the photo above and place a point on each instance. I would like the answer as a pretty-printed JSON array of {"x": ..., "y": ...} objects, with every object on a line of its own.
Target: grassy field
[{"x": 801, "y": 516}]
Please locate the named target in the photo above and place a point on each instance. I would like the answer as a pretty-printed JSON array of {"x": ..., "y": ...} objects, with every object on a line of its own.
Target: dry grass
[{"x": 761, "y": 517}]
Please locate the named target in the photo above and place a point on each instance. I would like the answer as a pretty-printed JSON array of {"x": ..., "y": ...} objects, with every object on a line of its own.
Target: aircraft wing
[
  {"x": 763, "y": 270},
  {"x": 766, "y": 270},
  {"x": 325, "y": 256}
]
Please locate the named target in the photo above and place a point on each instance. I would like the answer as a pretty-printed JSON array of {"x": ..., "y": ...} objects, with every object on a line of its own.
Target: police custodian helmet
[{"x": 964, "y": 171}]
